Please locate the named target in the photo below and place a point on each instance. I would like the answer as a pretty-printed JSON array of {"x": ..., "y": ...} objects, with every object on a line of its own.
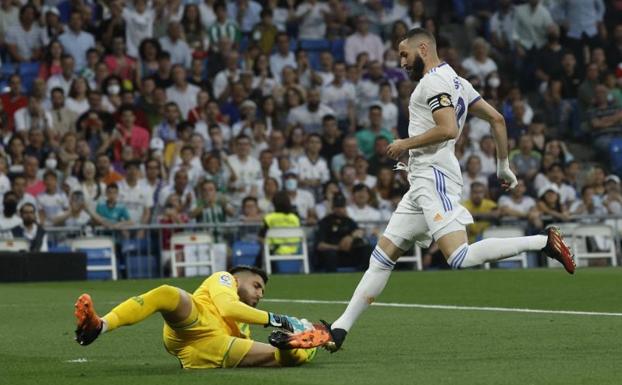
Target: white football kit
[{"x": 431, "y": 208}]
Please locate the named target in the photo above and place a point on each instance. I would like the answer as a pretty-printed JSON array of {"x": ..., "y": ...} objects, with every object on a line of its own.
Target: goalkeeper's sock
[
  {"x": 493, "y": 249},
  {"x": 294, "y": 357},
  {"x": 164, "y": 298},
  {"x": 370, "y": 287}
]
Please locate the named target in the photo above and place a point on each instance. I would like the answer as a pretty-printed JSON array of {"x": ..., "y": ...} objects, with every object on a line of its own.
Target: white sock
[
  {"x": 370, "y": 287},
  {"x": 494, "y": 249},
  {"x": 104, "y": 326}
]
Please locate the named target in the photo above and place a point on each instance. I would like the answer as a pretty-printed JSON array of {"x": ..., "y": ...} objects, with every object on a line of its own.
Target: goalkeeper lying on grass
[{"x": 206, "y": 329}]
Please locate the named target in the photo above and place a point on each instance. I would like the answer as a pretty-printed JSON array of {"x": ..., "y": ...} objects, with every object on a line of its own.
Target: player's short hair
[
  {"x": 420, "y": 32},
  {"x": 251, "y": 269}
]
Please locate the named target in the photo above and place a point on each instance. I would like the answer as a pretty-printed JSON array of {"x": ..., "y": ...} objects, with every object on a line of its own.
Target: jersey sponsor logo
[{"x": 225, "y": 279}]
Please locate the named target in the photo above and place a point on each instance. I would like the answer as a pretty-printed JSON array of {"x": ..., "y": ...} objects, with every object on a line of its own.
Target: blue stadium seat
[
  {"x": 59, "y": 248},
  {"x": 246, "y": 253},
  {"x": 244, "y": 43},
  {"x": 8, "y": 69},
  {"x": 97, "y": 257},
  {"x": 615, "y": 155},
  {"x": 314, "y": 60},
  {"x": 141, "y": 266},
  {"x": 337, "y": 49},
  {"x": 28, "y": 72},
  {"x": 315, "y": 45},
  {"x": 288, "y": 267}
]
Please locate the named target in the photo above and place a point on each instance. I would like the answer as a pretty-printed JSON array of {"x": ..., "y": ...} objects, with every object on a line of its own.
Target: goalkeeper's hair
[{"x": 251, "y": 269}]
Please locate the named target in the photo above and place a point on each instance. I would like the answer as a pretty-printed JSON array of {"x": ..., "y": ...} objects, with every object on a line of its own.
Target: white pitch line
[{"x": 452, "y": 307}]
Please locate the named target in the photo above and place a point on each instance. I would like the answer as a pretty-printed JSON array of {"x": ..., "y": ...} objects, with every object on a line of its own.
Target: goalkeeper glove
[
  {"x": 289, "y": 323},
  {"x": 505, "y": 174}
]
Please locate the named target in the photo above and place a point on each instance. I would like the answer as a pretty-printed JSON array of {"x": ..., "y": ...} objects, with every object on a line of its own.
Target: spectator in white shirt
[
  {"x": 479, "y": 63},
  {"x": 389, "y": 109},
  {"x": 75, "y": 41},
  {"x": 282, "y": 57},
  {"x": 245, "y": 12},
  {"x": 363, "y": 41},
  {"x": 246, "y": 170},
  {"x": 531, "y": 24},
  {"x": 302, "y": 200},
  {"x": 360, "y": 210},
  {"x": 139, "y": 22},
  {"x": 340, "y": 95},
  {"x": 52, "y": 201},
  {"x": 182, "y": 92},
  {"x": 517, "y": 205},
  {"x": 77, "y": 100},
  {"x": 311, "y": 17},
  {"x": 361, "y": 165},
  {"x": 34, "y": 115},
  {"x": 23, "y": 39},
  {"x": 225, "y": 78},
  {"x": 309, "y": 116},
  {"x": 137, "y": 197},
  {"x": 174, "y": 44},
  {"x": 472, "y": 174},
  {"x": 312, "y": 168},
  {"x": 65, "y": 78}
]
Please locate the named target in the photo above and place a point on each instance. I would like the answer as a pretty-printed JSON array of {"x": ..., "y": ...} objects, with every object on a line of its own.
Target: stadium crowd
[{"x": 134, "y": 112}]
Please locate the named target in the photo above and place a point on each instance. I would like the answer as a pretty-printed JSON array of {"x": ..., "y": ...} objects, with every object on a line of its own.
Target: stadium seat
[
  {"x": 506, "y": 232},
  {"x": 14, "y": 245},
  {"x": 8, "y": 69},
  {"x": 314, "y": 45},
  {"x": 195, "y": 250},
  {"x": 414, "y": 258},
  {"x": 245, "y": 253},
  {"x": 615, "y": 155},
  {"x": 603, "y": 239},
  {"x": 59, "y": 248},
  {"x": 302, "y": 254},
  {"x": 314, "y": 60},
  {"x": 101, "y": 262},
  {"x": 337, "y": 49}
]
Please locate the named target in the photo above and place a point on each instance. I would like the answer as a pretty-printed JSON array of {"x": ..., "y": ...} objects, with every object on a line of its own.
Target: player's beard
[{"x": 415, "y": 71}]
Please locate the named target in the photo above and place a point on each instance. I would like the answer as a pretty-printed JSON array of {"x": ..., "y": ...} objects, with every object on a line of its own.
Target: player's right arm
[{"x": 486, "y": 112}]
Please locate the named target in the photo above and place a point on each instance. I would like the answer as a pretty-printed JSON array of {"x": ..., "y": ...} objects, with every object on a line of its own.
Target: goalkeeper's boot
[
  {"x": 307, "y": 339},
  {"x": 89, "y": 323},
  {"x": 557, "y": 249}
]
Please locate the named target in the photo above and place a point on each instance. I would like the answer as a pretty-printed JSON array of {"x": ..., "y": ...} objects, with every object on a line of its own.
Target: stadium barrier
[{"x": 144, "y": 251}]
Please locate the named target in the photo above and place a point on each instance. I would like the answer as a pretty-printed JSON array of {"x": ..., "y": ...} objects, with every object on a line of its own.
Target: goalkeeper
[{"x": 206, "y": 329}]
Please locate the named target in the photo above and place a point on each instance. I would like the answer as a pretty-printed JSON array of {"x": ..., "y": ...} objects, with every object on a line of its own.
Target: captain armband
[{"x": 439, "y": 101}]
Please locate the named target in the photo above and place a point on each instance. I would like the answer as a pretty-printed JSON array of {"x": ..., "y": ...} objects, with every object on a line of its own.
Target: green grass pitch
[{"x": 387, "y": 345}]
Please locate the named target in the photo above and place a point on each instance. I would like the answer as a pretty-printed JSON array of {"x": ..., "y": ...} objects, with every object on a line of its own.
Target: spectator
[
  {"x": 517, "y": 205},
  {"x": 331, "y": 138},
  {"x": 605, "y": 119},
  {"x": 9, "y": 217},
  {"x": 23, "y": 39},
  {"x": 367, "y": 137},
  {"x": 30, "y": 230},
  {"x": 339, "y": 240},
  {"x": 139, "y": 24},
  {"x": 309, "y": 116},
  {"x": 111, "y": 210},
  {"x": 13, "y": 100},
  {"x": 51, "y": 64},
  {"x": 129, "y": 134},
  {"x": 472, "y": 174},
  {"x": 389, "y": 191},
  {"x": 302, "y": 200},
  {"x": 34, "y": 185},
  {"x": 389, "y": 109},
  {"x": 269, "y": 188},
  {"x": 613, "y": 197},
  {"x": 119, "y": 62},
  {"x": 162, "y": 76},
  {"x": 583, "y": 21},
  {"x": 212, "y": 208},
  {"x": 479, "y": 63},
  {"x": 16, "y": 154},
  {"x": 340, "y": 95},
  {"x": 360, "y": 210},
  {"x": 329, "y": 190},
  {"x": 570, "y": 77},
  {"x": 195, "y": 35},
  {"x": 549, "y": 204},
  {"x": 227, "y": 77},
  {"x": 167, "y": 128},
  {"x": 77, "y": 100},
  {"x": 482, "y": 209},
  {"x": 63, "y": 119},
  {"x": 34, "y": 116},
  {"x": 75, "y": 41},
  {"x": 105, "y": 171},
  {"x": 51, "y": 202},
  {"x": 9, "y": 16},
  {"x": 363, "y": 41},
  {"x": 176, "y": 46},
  {"x": 92, "y": 189},
  {"x": 549, "y": 58},
  {"x": 189, "y": 162},
  {"x": 525, "y": 160},
  {"x": 78, "y": 213},
  {"x": 184, "y": 94},
  {"x": 380, "y": 158},
  {"x": 296, "y": 144},
  {"x": 284, "y": 215},
  {"x": 223, "y": 28},
  {"x": 135, "y": 196},
  {"x": 246, "y": 170},
  {"x": 502, "y": 27},
  {"x": 587, "y": 90},
  {"x": 250, "y": 212},
  {"x": 530, "y": 26},
  {"x": 348, "y": 155},
  {"x": 589, "y": 204},
  {"x": 313, "y": 170},
  {"x": 311, "y": 16},
  {"x": 264, "y": 33},
  {"x": 65, "y": 78},
  {"x": 361, "y": 166},
  {"x": 283, "y": 57}
]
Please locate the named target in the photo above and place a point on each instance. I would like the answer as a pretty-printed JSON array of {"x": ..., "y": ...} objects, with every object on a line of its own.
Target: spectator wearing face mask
[{"x": 302, "y": 200}]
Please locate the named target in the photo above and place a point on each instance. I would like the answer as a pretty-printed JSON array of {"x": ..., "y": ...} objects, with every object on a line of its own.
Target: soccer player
[
  {"x": 430, "y": 210},
  {"x": 206, "y": 329}
]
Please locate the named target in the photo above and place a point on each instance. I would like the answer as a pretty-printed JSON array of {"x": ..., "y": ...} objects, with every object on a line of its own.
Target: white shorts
[{"x": 429, "y": 210}]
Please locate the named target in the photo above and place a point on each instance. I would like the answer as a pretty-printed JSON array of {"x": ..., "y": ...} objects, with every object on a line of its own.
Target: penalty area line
[{"x": 451, "y": 307}]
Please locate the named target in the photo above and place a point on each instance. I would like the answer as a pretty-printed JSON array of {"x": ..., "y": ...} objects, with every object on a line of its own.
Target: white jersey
[{"x": 440, "y": 87}]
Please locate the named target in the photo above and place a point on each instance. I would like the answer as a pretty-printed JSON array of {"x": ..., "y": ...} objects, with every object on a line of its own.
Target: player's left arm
[
  {"x": 486, "y": 112},
  {"x": 446, "y": 128}
]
